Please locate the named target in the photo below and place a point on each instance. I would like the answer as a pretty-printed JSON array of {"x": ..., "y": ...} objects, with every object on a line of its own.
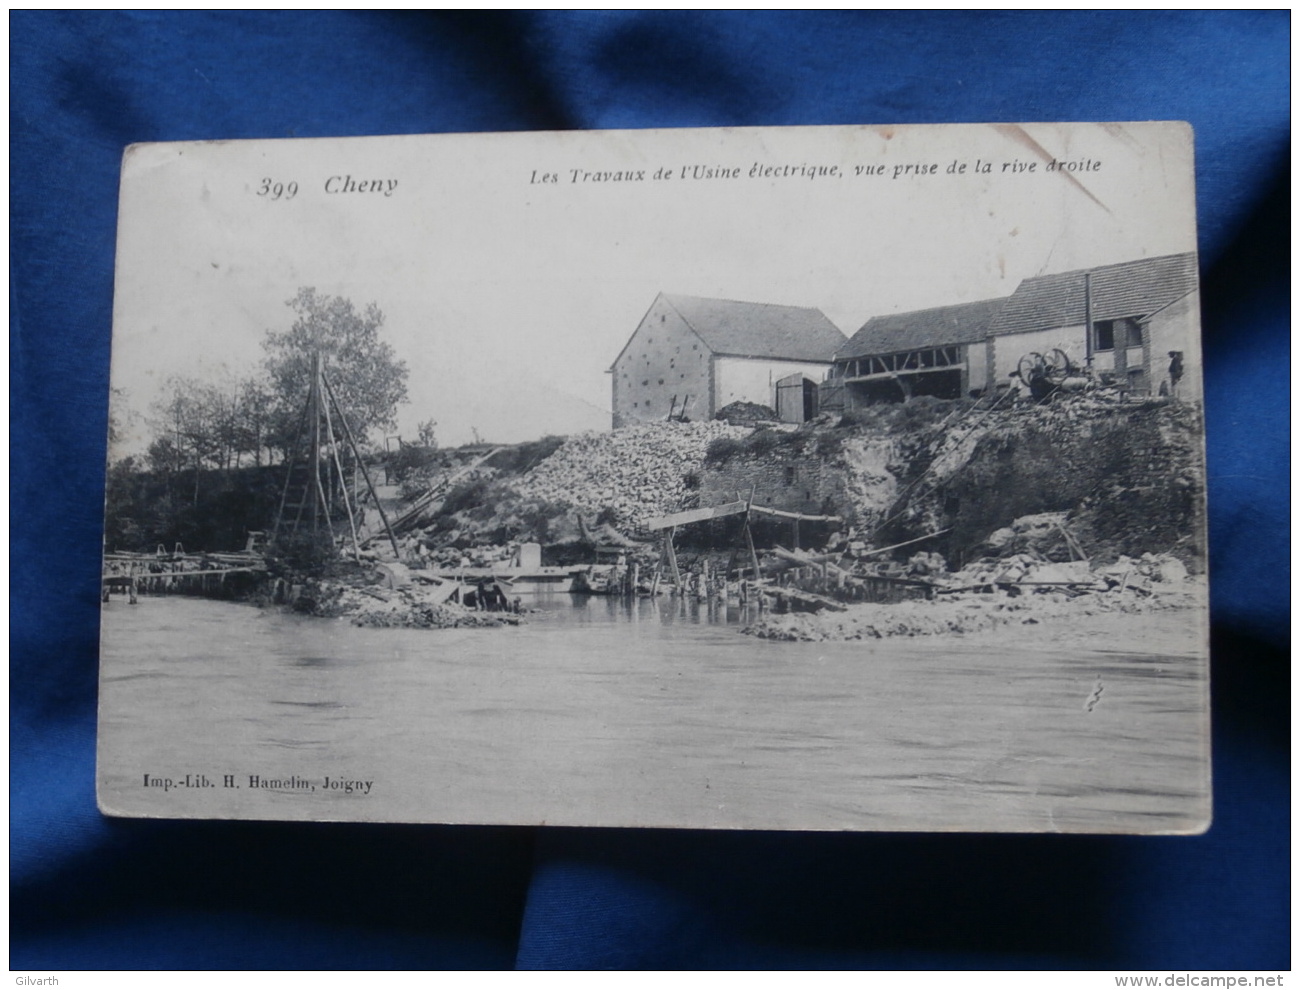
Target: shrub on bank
[{"x": 303, "y": 552}]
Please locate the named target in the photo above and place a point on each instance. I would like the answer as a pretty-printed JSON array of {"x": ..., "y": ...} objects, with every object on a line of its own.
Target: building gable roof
[
  {"x": 759, "y": 330},
  {"x": 963, "y": 323},
  {"x": 1130, "y": 288}
]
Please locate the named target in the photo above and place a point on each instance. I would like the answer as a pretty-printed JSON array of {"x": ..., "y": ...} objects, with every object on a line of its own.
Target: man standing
[{"x": 1175, "y": 371}]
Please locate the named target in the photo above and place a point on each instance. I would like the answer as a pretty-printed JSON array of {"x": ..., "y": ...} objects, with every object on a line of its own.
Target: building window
[
  {"x": 1107, "y": 333},
  {"x": 1103, "y": 335},
  {"x": 791, "y": 473}
]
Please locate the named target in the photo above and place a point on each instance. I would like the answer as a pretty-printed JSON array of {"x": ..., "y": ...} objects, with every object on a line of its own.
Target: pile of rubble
[
  {"x": 634, "y": 473},
  {"x": 1024, "y": 572},
  {"x": 1021, "y": 589},
  {"x": 425, "y": 553},
  {"x": 746, "y": 413},
  {"x": 411, "y": 607},
  {"x": 962, "y": 615}
]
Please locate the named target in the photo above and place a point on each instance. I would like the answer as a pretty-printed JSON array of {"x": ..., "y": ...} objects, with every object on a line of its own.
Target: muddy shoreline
[{"x": 1136, "y": 620}]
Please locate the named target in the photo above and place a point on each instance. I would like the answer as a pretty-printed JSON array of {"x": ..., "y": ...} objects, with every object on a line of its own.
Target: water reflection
[{"x": 664, "y": 609}]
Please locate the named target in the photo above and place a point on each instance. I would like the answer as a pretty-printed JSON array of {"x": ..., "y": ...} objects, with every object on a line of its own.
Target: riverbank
[{"x": 1140, "y": 620}]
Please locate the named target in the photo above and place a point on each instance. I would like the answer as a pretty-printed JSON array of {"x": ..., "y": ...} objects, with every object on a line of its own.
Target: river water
[{"x": 654, "y": 713}]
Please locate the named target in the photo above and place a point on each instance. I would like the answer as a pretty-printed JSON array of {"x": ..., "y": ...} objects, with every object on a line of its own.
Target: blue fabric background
[{"x": 92, "y": 892}]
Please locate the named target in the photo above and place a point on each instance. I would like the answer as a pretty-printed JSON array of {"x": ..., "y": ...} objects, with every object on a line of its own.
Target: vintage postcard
[{"x": 791, "y": 478}]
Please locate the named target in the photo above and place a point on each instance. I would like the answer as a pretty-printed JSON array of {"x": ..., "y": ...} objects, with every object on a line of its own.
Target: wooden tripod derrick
[{"x": 314, "y": 480}]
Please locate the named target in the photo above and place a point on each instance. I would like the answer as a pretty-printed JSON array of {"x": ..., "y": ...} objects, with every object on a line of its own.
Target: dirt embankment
[
  {"x": 1020, "y": 514},
  {"x": 1128, "y": 476}
]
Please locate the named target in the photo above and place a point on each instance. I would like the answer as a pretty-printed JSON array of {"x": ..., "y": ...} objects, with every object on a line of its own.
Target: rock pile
[
  {"x": 746, "y": 413},
  {"x": 1032, "y": 572},
  {"x": 412, "y": 607},
  {"x": 1043, "y": 534},
  {"x": 961, "y": 615},
  {"x": 407, "y": 610},
  {"x": 635, "y": 473},
  {"x": 1026, "y": 571}
]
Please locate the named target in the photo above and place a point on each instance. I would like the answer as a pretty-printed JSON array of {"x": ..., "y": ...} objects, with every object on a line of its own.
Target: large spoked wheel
[
  {"x": 1031, "y": 367},
  {"x": 1058, "y": 366}
]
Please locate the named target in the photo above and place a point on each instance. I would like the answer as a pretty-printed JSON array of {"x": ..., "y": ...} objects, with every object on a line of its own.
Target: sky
[{"x": 509, "y": 296}]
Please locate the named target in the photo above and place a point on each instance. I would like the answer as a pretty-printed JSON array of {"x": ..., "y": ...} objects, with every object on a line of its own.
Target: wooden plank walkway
[{"x": 158, "y": 572}]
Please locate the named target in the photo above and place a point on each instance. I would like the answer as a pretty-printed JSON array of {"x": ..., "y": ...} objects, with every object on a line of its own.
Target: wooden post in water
[
  {"x": 672, "y": 560},
  {"x": 753, "y": 554}
]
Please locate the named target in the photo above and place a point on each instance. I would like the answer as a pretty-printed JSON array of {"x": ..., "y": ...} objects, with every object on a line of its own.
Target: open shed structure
[
  {"x": 935, "y": 352},
  {"x": 743, "y": 507},
  {"x": 1133, "y": 323}
]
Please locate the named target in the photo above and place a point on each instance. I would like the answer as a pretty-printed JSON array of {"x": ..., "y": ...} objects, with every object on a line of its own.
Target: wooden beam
[
  {"x": 672, "y": 558},
  {"x": 906, "y": 543},
  {"x": 149, "y": 575},
  {"x": 796, "y": 516},
  {"x": 730, "y": 509},
  {"x": 805, "y": 559},
  {"x": 696, "y": 515},
  {"x": 435, "y": 490}
]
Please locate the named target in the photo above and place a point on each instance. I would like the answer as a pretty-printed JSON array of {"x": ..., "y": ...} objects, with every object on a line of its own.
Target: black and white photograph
[{"x": 810, "y": 478}]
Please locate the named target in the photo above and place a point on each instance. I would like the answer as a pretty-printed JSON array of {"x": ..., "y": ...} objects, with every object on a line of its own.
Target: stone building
[
  {"x": 708, "y": 353},
  {"x": 1119, "y": 320},
  {"x": 1123, "y": 322}
]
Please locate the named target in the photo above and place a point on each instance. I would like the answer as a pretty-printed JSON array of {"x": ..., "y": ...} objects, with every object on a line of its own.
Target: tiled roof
[
  {"x": 760, "y": 330},
  {"x": 1131, "y": 288},
  {"x": 963, "y": 323}
]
